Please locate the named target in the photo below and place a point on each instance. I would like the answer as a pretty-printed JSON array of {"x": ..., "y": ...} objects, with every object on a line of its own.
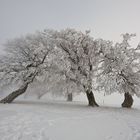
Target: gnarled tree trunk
[
  {"x": 70, "y": 97},
  {"x": 91, "y": 98},
  {"x": 128, "y": 100},
  {"x": 14, "y": 94}
]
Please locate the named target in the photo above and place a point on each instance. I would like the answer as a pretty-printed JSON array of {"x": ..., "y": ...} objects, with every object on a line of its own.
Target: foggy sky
[{"x": 105, "y": 18}]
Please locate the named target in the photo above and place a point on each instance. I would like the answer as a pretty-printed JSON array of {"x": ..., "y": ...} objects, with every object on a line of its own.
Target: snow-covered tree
[
  {"x": 120, "y": 72},
  {"x": 26, "y": 58},
  {"x": 79, "y": 54},
  {"x": 58, "y": 82},
  {"x": 71, "y": 61},
  {"x": 65, "y": 87}
]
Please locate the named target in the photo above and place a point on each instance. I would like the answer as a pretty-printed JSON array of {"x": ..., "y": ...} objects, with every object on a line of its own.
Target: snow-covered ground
[{"x": 60, "y": 120}]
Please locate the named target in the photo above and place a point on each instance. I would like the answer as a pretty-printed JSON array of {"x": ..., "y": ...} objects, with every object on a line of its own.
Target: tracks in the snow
[
  {"x": 135, "y": 128},
  {"x": 35, "y": 123},
  {"x": 132, "y": 119}
]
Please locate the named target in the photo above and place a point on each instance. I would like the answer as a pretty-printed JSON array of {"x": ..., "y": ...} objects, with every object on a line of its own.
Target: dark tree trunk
[
  {"x": 128, "y": 100},
  {"x": 91, "y": 99},
  {"x": 40, "y": 96},
  {"x": 14, "y": 94},
  {"x": 69, "y": 97}
]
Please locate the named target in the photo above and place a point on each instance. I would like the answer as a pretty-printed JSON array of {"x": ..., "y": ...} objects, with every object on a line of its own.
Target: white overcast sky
[{"x": 105, "y": 18}]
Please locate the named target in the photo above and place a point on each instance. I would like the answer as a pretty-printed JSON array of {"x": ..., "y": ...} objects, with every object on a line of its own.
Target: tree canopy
[{"x": 69, "y": 61}]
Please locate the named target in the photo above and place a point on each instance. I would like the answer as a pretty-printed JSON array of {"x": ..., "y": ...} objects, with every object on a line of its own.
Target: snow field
[{"x": 59, "y": 120}]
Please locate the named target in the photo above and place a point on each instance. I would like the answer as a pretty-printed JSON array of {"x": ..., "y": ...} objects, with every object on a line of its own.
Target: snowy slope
[{"x": 60, "y": 120}]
